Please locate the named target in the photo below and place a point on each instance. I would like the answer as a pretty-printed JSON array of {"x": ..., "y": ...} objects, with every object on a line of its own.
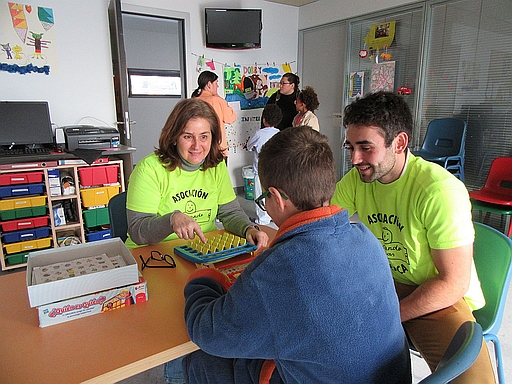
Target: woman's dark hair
[
  {"x": 182, "y": 113},
  {"x": 202, "y": 81},
  {"x": 309, "y": 97},
  {"x": 294, "y": 79}
]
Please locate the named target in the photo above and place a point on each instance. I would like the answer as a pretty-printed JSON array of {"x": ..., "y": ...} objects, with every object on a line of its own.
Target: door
[
  {"x": 149, "y": 72},
  {"x": 321, "y": 66}
]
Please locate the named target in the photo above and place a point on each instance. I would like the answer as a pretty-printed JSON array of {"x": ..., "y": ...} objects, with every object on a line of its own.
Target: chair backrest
[
  {"x": 117, "y": 215},
  {"x": 445, "y": 137},
  {"x": 492, "y": 252},
  {"x": 460, "y": 355},
  {"x": 499, "y": 178}
]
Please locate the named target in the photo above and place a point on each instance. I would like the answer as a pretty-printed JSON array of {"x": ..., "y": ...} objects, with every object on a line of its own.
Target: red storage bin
[
  {"x": 21, "y": 178},
  {"x": 98, "y": 175},
  {"x": 32, "y": 222}
]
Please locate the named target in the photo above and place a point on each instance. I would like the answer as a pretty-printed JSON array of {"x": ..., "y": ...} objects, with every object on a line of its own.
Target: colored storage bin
[
  {"x": 25, "y": 235},
  {"x": 21, "y": 178},
  {"x": 96, "y": 217},
  {"x": 13, "y": 214},
  {"x": 25, "y": 202},
  {"x": 28, "y": 223},
  {"x": 16, "y": 258},
  {"x": 98, "y": 196},
  {"x": 98, "y": 235},
  {"x": 22, "y": 190},
  {"x": 98, "y": 175},
  {"x": 28, "y": 245}
]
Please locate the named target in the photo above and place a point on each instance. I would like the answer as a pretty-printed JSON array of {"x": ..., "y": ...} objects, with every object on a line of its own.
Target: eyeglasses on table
[{"x": 157, "y": 257}]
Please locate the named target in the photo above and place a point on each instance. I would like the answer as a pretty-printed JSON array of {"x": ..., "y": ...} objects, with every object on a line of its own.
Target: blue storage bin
[
  {"x": 98, "y": 235},
  {"x": 27, "y": 234},
  {"x": 22, "y": 190}
]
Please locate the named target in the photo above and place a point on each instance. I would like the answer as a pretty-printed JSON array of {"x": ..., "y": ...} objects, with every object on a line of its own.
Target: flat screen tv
[
  {"x": 25, "y": 123},
  {"x": 228, "y": 28}
]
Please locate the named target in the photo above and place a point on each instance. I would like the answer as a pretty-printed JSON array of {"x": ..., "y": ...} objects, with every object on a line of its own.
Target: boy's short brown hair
[{"x": 299, "y": 161}]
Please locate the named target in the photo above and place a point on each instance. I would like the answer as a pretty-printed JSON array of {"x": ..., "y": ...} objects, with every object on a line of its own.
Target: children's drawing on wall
[
  {"x": 27, "y": 39},
  {"x": 247, "y": 122},
  {"x": 251, "y": 85},
  {"x": 383, "y": 77},
  {"x": 356, "y": 88}
]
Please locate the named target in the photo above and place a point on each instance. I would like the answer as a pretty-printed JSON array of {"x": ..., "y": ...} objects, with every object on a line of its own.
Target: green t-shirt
[
  {"x": 426, "y": 208},
  {"x": 153, "y": 189}
]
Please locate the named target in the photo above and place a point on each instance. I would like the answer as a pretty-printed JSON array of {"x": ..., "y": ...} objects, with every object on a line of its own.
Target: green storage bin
[
  {"x": 96, "y": 217},
  {"x": 16, "y": 258},
  {"x": 21, "y": 213}
]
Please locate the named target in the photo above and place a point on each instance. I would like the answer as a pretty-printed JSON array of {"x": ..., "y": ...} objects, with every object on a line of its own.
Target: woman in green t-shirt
[{"x": 179, "y": 190}]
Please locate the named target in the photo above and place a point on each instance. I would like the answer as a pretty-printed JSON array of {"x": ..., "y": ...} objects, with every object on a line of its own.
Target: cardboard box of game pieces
[
  {"x": 88, "y": 305},
  {"x": 74, "y": 283}
]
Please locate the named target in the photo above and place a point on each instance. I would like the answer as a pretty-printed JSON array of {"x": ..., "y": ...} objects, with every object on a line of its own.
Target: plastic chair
[
  {"x": 492, "y": 252},
  {"x": 496, "y": 194},
  {"x": 117, "y": 215},
  {"x": 444, "y": 144},
  {"x": 460, "y": 355}
]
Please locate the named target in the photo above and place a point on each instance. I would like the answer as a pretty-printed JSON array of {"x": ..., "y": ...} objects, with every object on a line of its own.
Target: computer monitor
[{"x": 25, "y": 123}]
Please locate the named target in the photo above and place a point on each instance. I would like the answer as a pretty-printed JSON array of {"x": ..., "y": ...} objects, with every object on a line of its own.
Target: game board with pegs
[{"x": 220, "y": 247}]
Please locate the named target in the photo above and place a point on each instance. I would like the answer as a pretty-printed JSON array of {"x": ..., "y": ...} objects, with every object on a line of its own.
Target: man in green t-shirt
[{"x": 422, "y": 215}]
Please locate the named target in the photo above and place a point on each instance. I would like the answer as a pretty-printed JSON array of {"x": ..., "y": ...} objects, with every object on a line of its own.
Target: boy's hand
[
  {"x": 256, "y": 237},
  {"x": 186, "y": 227}
]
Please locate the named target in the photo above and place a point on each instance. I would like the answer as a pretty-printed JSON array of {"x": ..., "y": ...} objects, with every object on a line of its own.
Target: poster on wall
[
  {"x": 383, "y": 77},
  {"x": 27, "y": 39},
  {"x": 356, "y": 87},
  {"x": 251, "y": 85},
  {"x": 238, "y": 134}
]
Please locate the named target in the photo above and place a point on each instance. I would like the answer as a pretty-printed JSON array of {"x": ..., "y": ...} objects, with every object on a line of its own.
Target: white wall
[
  {"x": 327, "y": 11},
  {"x": 83, "y": 85}
]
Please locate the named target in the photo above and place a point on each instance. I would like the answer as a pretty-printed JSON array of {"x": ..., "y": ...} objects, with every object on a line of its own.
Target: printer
[{"x": 90, "y": 137}]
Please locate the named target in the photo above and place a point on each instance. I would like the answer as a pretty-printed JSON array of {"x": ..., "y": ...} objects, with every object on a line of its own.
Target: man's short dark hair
[
  {"x": 272, "y": 115},
  {"x": 299, "y": 161},
  {"x": 385, "y": 110}
]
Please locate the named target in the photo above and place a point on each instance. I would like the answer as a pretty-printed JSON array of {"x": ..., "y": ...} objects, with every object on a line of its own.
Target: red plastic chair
[{"x": 496, "y": 194}]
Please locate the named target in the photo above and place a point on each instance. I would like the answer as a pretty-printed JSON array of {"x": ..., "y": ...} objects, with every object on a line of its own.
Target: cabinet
[{"x": 52, "y": 206}]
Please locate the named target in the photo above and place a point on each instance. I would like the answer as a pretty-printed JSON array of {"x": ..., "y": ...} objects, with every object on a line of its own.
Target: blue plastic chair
[
  {"x": 493, "y": 260},
  {"x": 460, "y": 355},
  {"x": 444, "y": 144},
  {"x": 117, "y": 216}
]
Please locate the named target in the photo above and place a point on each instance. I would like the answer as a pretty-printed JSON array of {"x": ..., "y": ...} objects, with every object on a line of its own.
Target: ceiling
[{"x": 295, "y": 3}]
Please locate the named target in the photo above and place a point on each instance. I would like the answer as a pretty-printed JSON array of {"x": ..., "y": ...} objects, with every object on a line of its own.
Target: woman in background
[
  {"x": 306, "y": 104},
  {"x": 208, "y": 84},
  {"x": 285, "y": 99}
]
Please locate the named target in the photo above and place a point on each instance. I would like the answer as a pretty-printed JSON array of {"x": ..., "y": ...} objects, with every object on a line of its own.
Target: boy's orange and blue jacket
[{"x": 320, "y": 303}]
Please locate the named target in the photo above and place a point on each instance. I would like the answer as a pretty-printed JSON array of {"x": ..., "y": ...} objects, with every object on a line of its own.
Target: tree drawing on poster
[
  {"x": 252, "y": 85},
  {"x": 383, "y": 77},
  {"x": 27, "y": 39}
]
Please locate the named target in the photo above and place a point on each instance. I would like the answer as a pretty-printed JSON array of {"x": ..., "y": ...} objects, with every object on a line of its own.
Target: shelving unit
[{"x": 37, "y": 211}]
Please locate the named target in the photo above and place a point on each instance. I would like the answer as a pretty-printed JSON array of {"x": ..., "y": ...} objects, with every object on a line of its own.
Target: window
[{"x": 468, "y": 75}]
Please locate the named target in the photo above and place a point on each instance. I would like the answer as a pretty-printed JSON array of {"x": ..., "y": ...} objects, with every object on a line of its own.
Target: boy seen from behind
[
  {"x": 318, "y": 306},
  {"x": 271, "y": 117}
]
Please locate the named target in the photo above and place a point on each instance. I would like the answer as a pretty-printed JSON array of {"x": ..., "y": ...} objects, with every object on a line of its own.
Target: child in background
[
  {"x": 318, "y": 306},
  {"x": 306, "y": 104},
  {"x": 271, "y": 117}
]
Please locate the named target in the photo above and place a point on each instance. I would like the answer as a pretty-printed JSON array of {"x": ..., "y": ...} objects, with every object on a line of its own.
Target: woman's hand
[
  {"x": 257, "y": 237},
  {"x": 186, "y": 227}
]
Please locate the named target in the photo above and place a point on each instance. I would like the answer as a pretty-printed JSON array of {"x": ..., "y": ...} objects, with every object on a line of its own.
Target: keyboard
[{"x": 26, "y": 151}]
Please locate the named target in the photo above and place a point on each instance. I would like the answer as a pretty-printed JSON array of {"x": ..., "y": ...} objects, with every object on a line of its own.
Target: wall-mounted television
[
  {"x": 25, "y": 123},
  {"x": 229, "y": 28}
]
